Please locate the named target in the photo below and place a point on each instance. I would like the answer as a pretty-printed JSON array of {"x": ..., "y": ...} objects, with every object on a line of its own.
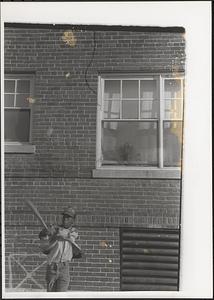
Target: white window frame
[
  {"x": 16, "y": 146},
  {"x": 137, "y": 171}
]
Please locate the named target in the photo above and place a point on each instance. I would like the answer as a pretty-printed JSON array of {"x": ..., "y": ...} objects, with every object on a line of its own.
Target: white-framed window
[
  {"x": 140, "y": 121},
  {"x": 18, "y": 100}
]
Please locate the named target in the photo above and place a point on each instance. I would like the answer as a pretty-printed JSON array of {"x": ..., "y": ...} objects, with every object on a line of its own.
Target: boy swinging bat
[{"x": 58, "y": 243}]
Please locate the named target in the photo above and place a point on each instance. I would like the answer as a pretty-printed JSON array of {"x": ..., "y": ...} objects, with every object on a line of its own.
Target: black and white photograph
[{"x": 97, "y": 193}]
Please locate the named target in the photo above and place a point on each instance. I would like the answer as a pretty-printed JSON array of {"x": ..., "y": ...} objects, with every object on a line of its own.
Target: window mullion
[
  {"x": 139, "y": 99},
  {"x": 15, "y": 93},
  {"x": 121, "y": 99},
  {"x": 100, "y": 116},
  {"x": 161, "y": 107},
  {"x": 182, "y": 98}
]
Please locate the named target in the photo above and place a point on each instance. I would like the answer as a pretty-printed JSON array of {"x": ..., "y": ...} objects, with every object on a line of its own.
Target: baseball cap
[{"x": 69, "y": 211}]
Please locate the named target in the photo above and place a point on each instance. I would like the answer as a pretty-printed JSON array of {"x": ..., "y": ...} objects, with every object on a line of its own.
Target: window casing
[
  {"x": 140, "y": 121},
  {"x": 18, "y": 100}
]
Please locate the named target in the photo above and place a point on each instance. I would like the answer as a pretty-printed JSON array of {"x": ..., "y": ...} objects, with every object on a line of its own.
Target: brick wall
[
  {"x": 103, "y": 202},
  {"x": 102, "y": 206},
  {"x": 64, "y": 114},
  {"x": 64, "y": 133}
]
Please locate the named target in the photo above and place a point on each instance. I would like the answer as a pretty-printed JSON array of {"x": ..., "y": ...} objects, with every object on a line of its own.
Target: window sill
[
  {"x": 19, "y": 148},
  {"x": 128, "y": 172}
]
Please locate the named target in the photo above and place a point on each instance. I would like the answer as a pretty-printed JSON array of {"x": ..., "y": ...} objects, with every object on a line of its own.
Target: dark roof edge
[{"x": 175, "y": 29}]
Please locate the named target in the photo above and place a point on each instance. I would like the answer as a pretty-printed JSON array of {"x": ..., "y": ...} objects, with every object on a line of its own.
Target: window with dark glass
[{"x": 18, "y": 93}]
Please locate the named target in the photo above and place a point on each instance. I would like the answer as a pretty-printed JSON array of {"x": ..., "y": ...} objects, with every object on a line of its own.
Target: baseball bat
[{"x": 36, "y": 212}]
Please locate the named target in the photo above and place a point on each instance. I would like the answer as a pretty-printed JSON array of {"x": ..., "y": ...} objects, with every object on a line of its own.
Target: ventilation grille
[{"x": 149, "y": 259}]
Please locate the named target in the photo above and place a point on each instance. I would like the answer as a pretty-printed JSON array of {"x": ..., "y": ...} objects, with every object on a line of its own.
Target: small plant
[{"x": 125, "y": 152}]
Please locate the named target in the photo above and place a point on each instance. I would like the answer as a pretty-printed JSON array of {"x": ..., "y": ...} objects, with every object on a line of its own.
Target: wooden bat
[{"x": 36, "y": 212}]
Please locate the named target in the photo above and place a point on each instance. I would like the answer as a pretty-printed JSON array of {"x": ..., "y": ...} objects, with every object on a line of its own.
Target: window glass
[
  {"x": 17, "y": 111},
  {"x": 148, "y": 89},
  {"x": 130, "y": 89},
  {"x": 9, "y": 100},
  {"x": 130, "y": 109},
  {"x": 129, "y": 143},
  {"x": 112, "y": 89},
  {"x": 22, "y": 100},
  {"x": 9, "y": 86},
  {"x": 130, "y": 132},
  {"x": 17, "y": 124},
  {"x": 172, "y": 141},
  {"x": 172, "y": 88},
  {"x": 173, "y": 109},
  {"x": 23, "y": 86},
  {"x": 112, "y": 109},
  {"x": 149, "y": 109}
]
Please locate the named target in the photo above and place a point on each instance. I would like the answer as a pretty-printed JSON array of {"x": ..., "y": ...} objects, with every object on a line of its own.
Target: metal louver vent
[{"x": 149, "y": 259}]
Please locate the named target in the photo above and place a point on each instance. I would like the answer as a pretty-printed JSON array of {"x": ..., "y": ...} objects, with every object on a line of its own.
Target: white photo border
[{"x": 196, "y": 214}]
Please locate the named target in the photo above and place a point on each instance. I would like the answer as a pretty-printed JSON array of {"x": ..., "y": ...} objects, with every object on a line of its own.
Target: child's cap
[{"x": 69, "y": 211}]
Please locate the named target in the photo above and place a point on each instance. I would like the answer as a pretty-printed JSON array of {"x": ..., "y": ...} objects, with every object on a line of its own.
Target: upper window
[
  {"x": 140, "y": 121},
  {"x": 18, "y": 97}
]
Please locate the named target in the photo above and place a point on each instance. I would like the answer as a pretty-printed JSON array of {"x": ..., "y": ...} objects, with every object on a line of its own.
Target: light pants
[{"x": 58, "y": 277}]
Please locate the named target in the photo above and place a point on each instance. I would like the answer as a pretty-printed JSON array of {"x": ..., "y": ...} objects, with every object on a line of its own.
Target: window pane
[
  {"x": 9, "y": 100},
  {"x": 9, "y": 86},
  {"x": 23, "y": 86},
  {"x": 172, "y": 88},
  {"x": 130, "y": 89},
  {"x": 17, "y": 125},
  {"x": 129, "y": 143},
  {"x": 172, "y": 143},
  {"x": 112, "y": 89},
  {"x": 149, "y": 109},
  {"x": 111, "y": 109},
  {"x": 148, "y": 89},
  {"x": 22, "y": 100},
  {"x": 130, "y": 109},
  {"x": 173, "y": 109}
]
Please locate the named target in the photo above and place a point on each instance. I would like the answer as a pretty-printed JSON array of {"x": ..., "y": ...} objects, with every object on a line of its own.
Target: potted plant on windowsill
[{"x": 125, "y": 153}]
